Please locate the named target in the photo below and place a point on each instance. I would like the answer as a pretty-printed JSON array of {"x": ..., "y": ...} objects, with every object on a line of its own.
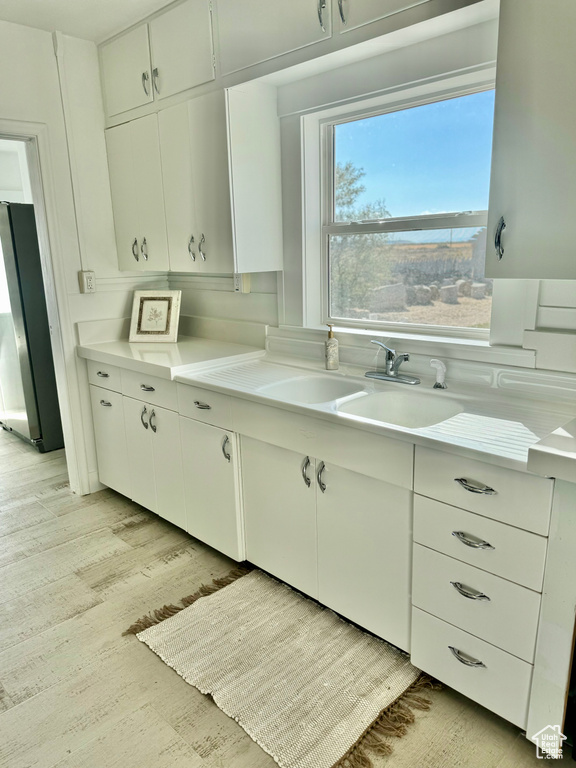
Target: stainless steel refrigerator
[{"x": 28, "y": 396}]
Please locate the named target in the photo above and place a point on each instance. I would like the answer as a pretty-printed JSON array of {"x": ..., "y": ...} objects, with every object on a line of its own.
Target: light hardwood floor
[{"x": 74, "y": 693}]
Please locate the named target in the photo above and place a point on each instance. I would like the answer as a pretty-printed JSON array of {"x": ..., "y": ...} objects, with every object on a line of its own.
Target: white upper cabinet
[
  {"x": 252, "y": 31},
  {"x": 137, "y": 199},
  {"x": 126, "y": 72},
  {"x": 196, "y": 186},
  {"x": 255, "y": 177},
  {"x": 531, "y": 221},
  {"x": 352, "y": 14},
  {"x": 169, "y": 54},
  {"x": 221, "y": 177}
]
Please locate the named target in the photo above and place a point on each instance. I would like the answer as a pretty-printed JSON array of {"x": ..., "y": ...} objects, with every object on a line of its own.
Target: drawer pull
[
  {"x": 469, "y": 661},
  {"x": 103, "y": 375},
  {"x": 146, "y": 388},
  {"x": 105, "y": 403},
  {"x": 469, "y": 485},
  {"x": 474, "y": 543},
  {"x": 202, "y": 406},
  {"x": 471, "y": 594}
]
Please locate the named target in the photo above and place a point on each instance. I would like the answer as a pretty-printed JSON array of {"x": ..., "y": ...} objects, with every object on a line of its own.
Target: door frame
[{"x": 38, "y": 153}]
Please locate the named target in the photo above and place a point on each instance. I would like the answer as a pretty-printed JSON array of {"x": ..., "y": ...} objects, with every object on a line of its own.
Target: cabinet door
[
  {"x": 533, "y": 182},
  {"x": 211, "y": 484},
  {"x": 165, "y": 438},
  {"x": 364, "y": 552},
  {"x": 147, "y": 186},
  {"x": 181, "y": 48},
  {"x": 179, "y": 193},
  {"x": 124, "y": 197},
  {"x": 355, "y": 13},
  {"x": 139, "y": 450},
  {"x": 126, "y": 75},
  {"x": 263, "y": 29},
  {"x": 209, "y": 153},
  {"x": 108, "y": 415},
  {"x": 280, "y": 513}
]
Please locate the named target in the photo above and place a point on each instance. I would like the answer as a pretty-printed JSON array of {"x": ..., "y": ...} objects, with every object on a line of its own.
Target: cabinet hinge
[{"x": 213, "y": 62}]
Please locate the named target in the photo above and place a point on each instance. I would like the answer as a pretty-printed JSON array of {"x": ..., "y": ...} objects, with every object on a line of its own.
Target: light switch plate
[
  {"x": 87, "y": 281},
  {"x": 242, "y": 282}
]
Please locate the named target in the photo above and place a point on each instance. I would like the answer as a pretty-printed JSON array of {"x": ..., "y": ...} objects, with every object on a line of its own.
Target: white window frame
[{"x": 317, "y": 160}]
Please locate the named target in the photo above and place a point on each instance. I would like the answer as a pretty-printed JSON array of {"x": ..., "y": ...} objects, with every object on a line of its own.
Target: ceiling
[{"x": 90, "y": 19}]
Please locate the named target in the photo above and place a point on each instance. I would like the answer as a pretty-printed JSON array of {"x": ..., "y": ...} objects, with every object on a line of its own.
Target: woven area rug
[{"x": 311, "y": 689}]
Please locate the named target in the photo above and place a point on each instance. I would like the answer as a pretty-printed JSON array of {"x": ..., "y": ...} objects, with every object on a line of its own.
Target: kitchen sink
[
  {"x": 403, "y": 409},
  {"x": 311, "y": 389}
]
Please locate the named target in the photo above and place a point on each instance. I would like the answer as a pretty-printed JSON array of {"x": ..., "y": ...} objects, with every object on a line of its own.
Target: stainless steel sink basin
[
  {"x": 311, "y": 389},
  {"x": 403, "y": 409}
]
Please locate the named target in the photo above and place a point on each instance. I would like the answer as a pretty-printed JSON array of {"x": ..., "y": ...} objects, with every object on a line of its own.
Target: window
[{"x": 405, "y": 214}]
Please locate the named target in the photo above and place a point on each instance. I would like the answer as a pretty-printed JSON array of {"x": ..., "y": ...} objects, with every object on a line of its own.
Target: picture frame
[{"x": 155, "y": 316}]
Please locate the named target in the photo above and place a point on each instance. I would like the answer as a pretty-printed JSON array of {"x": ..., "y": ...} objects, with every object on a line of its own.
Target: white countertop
[
  {"x": 168, "y": 360},
  {"x": 518, "y": 433},
  {"x": 492, "y": 427}
]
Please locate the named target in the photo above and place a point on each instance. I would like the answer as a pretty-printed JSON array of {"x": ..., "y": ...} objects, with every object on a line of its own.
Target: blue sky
[{"x": 428, "y": 159}]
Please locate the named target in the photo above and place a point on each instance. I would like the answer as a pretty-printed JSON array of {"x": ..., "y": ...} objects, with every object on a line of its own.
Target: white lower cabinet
[
  {"x": 364, "y": 552},
  {"x": 280, "y": 512},
  {"x": 155, "y": 459},
  {"x": 111, "y": 450},
  {"x": 212, "y": 486},
  {"x": 339, "y": 536}
]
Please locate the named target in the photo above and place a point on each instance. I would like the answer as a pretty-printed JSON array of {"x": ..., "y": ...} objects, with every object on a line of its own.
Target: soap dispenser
[{"x": 332, "y": 361}]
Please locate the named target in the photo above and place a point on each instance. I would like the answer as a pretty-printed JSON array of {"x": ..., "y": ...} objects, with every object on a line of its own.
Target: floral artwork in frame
[{"x": 155, "y": 316}]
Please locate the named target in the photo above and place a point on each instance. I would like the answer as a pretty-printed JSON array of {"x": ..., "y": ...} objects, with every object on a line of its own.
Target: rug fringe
[
  {"x": 391, "y": 722},
  {"x": 161, "y": 614}
]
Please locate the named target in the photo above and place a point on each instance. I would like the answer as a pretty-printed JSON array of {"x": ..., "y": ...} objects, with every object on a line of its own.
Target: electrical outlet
[
  {"x": 241, "y": 282},
  {"x": 87, "y": 281}
]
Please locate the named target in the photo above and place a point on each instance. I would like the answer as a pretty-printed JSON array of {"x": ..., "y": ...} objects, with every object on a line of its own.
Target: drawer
[
  {"x": 507, "y": 616},
  {"x": 502, "y": 684},
  {"x": 514, "y": 497},
  {"x": 151, "y": 389},
  {"x": 509, "y": 552},
  {"x": 204, "y": 405},
  {"x": 102, "y": 375}
]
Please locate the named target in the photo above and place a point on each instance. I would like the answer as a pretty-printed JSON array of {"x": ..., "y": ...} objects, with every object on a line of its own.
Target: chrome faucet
[{"x": 393, "y": 363}]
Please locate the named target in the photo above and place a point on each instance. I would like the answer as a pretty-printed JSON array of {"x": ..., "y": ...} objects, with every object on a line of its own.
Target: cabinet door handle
[
  {"x": 145, "y": 79},
  {"x": 472, "y": 487},
  {"x": 341, "y": 11},
  {"x": 135, "y": 249},
  {"x": 146, "y": 388},
  {"x": 105, "y": 403},
  {"x": 305, "y": 465},
  {"x": 224, "y": 444},
  {"x": 321, "y": 8},
  {"x": 191, "y": 248},
  {"x": 155, "y": 80},
  {"x": 498, "y": 247},
  {"x": 152, "y": 416},
  {"x": 202, "y": 406},
  {"x": 144, "y": 250},
  {"x": 200, "y": 251},
  {"x": 319, "y": 473},
  {"x": 144, "y": 423},
  {"x": 469, "y": 662},
  {"x": 103, "y": 375},
  {"x": 471, "y": 594},
  {"x": 475, "y": 544}
]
